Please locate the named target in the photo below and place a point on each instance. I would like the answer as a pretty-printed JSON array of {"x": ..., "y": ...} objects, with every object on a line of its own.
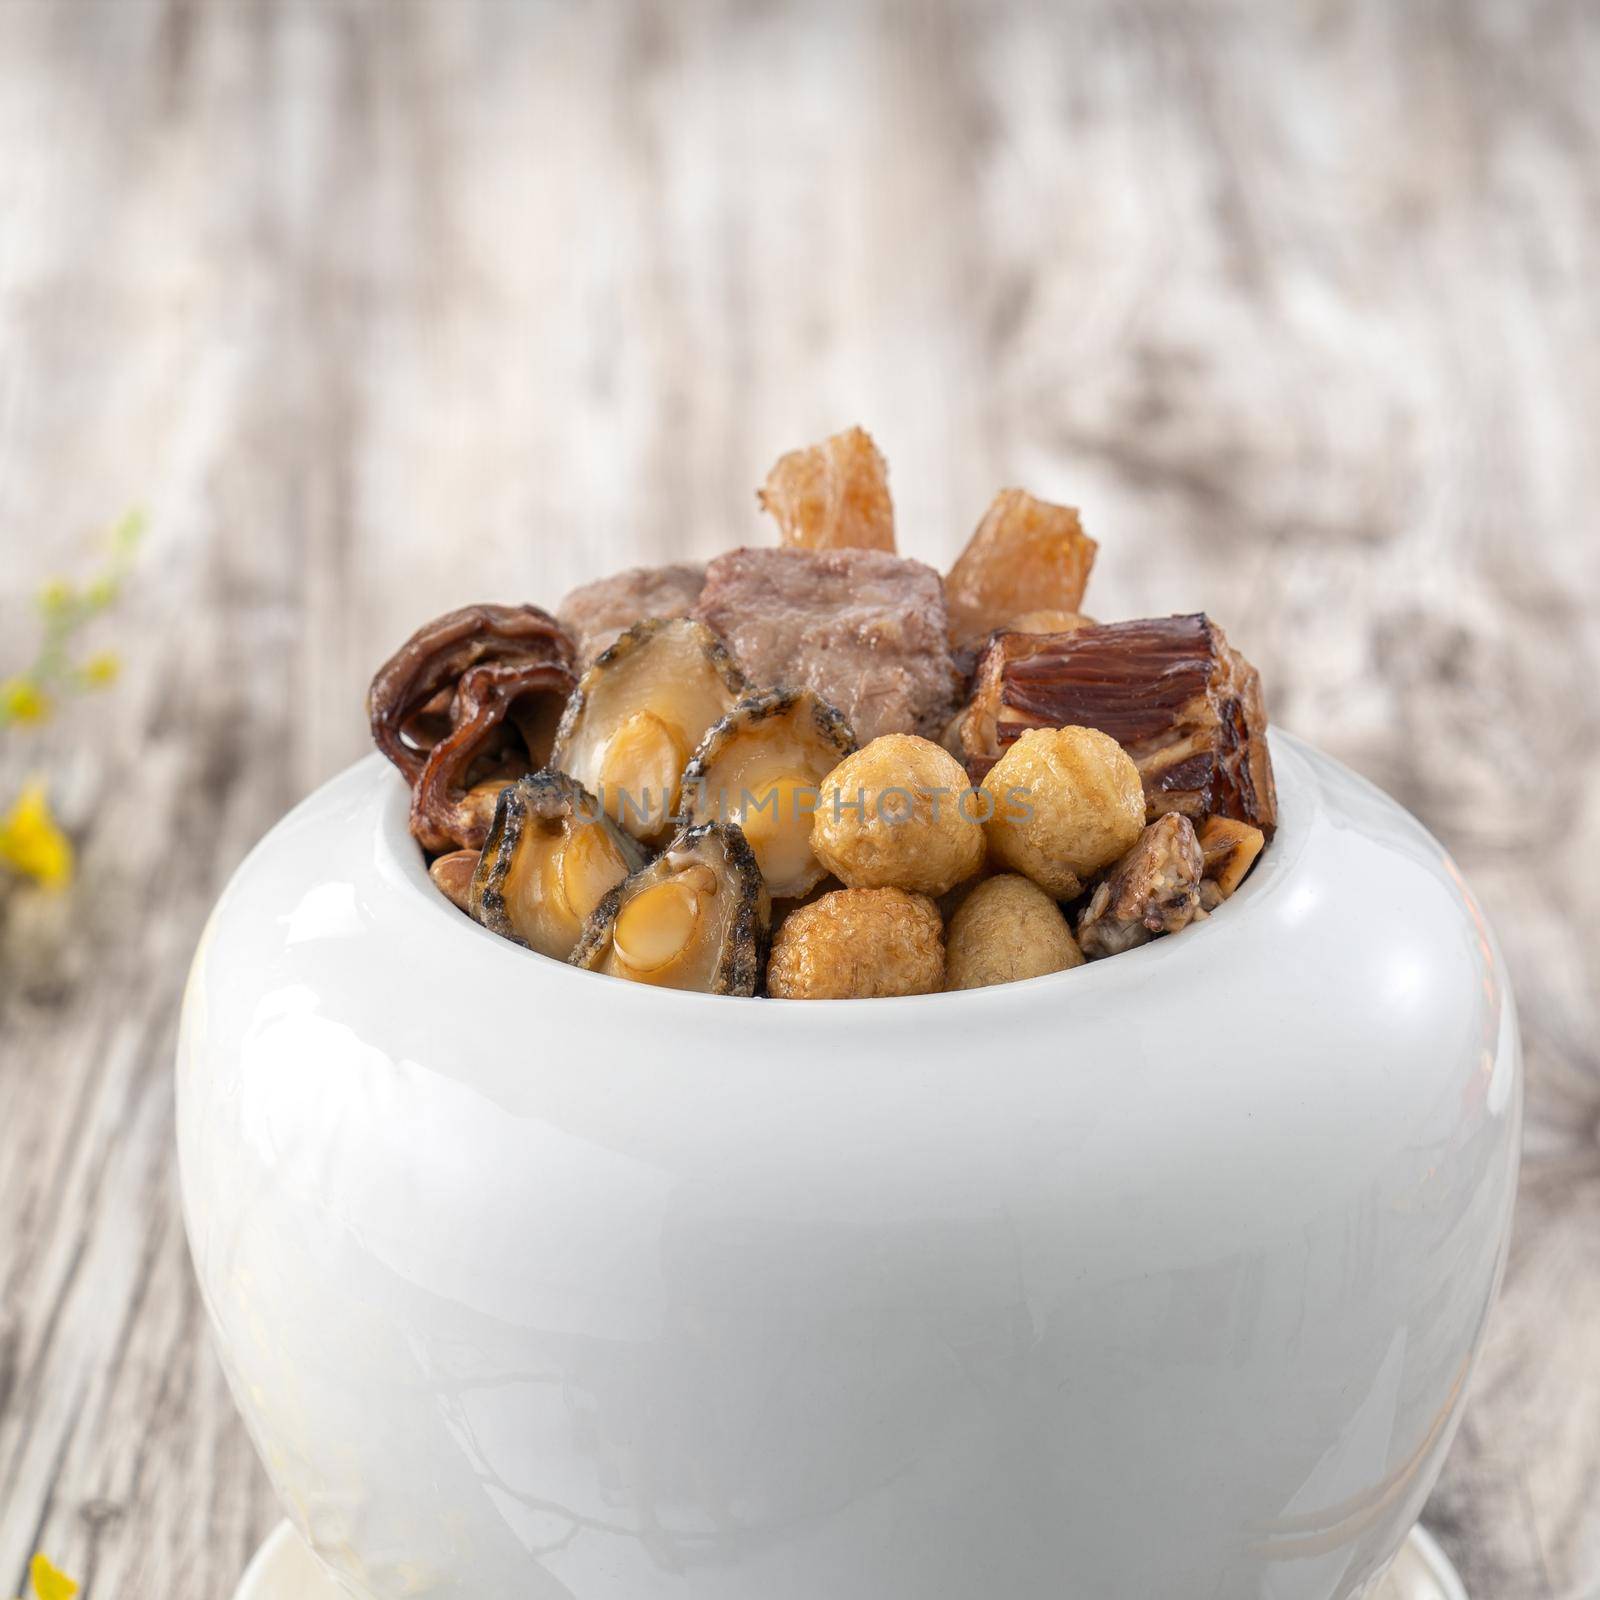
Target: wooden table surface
[{"x": 379, "y": 308}]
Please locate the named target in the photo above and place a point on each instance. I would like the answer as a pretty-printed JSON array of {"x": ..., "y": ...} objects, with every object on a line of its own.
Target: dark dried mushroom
[
  {"x": 551, "y": 857},
  {"x": 760, "y": 767},
  {"x": 1154, "y": 889},
  {"x": 409, "y": 701},
  {"x": 637, "y": 714},
  {"x": 1170, "y": 690},
  {"x": 501, "y": 716},
  {"x": 695, "y": 918},
  {"x": 469, "y": 701}
]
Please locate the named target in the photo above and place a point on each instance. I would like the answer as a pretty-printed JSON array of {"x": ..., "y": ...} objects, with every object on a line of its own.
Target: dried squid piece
[
  {"x": 409, "y": 701},
  {"x": 1170, "y": 690},
  {"x": 695, "y": 918},
  {"x": 551, "y": 857},
  {"x": 1026, "y": 555},
  {"x": 1154, "y": 889},
  {"x": 833, "y": 495},
  {"x": 760, "y": 767},
  {"x": 639, "y": 712}
]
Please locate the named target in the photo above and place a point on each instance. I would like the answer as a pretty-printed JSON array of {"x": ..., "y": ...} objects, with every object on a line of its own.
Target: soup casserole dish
[{"x": 1161, "y": 1278}]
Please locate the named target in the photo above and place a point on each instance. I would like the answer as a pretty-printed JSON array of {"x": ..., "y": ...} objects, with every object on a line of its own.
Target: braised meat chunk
[
  {"x": 598, "y": 614},
  {"x": 1170, "y": 690},
  {"x": 863, "y": 629}
]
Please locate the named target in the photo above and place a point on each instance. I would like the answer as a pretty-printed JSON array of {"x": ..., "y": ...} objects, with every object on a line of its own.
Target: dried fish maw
[
  {"x": 833, "y": 495},
  {"x": 1026, "y": 555}
]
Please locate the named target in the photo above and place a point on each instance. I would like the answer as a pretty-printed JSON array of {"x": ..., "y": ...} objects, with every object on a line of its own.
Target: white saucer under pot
[{"x": 1159, "y": 1279}]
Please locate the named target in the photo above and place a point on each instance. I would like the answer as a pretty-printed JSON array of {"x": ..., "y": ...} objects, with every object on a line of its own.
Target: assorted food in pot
[{"x": 823, "y": 772}]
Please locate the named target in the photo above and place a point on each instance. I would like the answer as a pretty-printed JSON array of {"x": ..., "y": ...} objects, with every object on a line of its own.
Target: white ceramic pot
[{"x": 1160, "y": 1278}]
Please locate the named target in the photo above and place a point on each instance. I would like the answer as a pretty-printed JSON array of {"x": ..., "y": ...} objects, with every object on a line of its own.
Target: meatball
[
  {"x": 899, "y": 814},
  {"x": 1005, "y": 930},
  {"x": 858, "y": 944},
  {"x": 1065, "y": 803}
]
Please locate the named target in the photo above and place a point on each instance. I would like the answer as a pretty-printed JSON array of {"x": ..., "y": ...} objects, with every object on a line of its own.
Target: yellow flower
[
  {"x": 50, "y": 1583},
  {"x": 55, "y": 597},
  {"x": 101, "y": 669},
  {"x": 22, "y": 700},
  {"x": 32, "y": 843}
]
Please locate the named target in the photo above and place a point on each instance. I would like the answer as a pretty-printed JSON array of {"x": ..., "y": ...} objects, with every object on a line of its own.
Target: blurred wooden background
[{"x": 378, "y": 308}]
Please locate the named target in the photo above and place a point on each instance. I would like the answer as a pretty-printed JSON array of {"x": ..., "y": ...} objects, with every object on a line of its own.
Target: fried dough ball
[
  {"x": 1005, "y": 930},
  {"x": 899, "y": 814},
  {"x": 1066, "y": 802},
  {"x": 858, "y": 944}
]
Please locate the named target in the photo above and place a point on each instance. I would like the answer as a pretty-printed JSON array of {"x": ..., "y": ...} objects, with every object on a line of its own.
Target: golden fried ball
[
  {"x": 858, "y": 944},
  {"x": 898, "y": 814},
  {"x": 1066, "y": 802},
  {"x": 1007, "y": 929}
]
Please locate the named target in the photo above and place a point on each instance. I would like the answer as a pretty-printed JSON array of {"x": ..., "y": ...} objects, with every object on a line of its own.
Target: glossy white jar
[{"x": 1159, "y": 1279}]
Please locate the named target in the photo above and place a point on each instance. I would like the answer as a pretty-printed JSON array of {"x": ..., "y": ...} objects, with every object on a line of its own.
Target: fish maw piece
[
  {"x": 598, "y": 614},
  {"x": 864, "y": 630},
  {"x": 1170, "y": 690},
  {"x": 1026, "y": 555},
  {"x": 831, "y": 496}
]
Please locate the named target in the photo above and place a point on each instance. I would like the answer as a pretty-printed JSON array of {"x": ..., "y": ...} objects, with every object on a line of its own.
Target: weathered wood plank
[{"x": 381, "y": 308}]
